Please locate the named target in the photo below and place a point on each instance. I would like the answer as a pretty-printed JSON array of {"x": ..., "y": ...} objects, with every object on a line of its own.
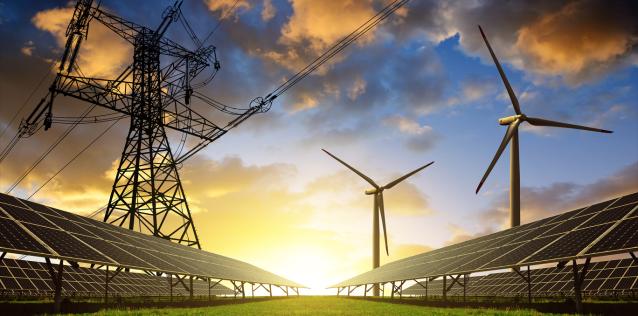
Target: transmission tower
[{"x": 147, "y": 193}]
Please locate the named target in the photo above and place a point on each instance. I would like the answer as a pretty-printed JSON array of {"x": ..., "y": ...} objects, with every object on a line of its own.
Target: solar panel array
[
  {"x": 34, "y": 229},
  {"x": 605, "y": 228},
  {"x": 30, "y": 278},
  {"x": 602, "y": 279}
]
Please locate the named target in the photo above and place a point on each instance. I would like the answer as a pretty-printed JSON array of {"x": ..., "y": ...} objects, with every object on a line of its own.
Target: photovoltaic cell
[
  {"x": 25, "y": 215},
  {"x": 570, "y": 244},
  {"x": 612, "y": 215},
  {"x": 624, "y": 236},
  {"x": 7, "y": 199},
  {"x": 66, "y": 245},
  {"x": 13, "y": 237}
]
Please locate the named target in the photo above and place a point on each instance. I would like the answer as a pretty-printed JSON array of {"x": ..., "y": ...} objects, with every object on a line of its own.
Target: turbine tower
[
  {"x": 377, "y": 209},
  {"x": 511, "y": 134}
]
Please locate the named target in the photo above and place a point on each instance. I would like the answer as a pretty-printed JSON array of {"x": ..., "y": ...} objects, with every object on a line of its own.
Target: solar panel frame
[
  {"x": 90, "y": 282},
  {"x": 429, "y": 264},
  {"x": 80, "y": 232}
]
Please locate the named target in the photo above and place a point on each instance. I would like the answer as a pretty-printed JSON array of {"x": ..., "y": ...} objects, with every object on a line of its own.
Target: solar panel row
[
  {"x": 604, "y": 228},
  {"x": 35, "y": 229},
  {"x": 603, "y": 278},
  {"x": 29, "y": 278}
]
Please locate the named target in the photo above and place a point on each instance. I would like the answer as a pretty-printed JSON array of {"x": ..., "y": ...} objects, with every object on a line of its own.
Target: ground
[{"x": 317, "y": 306}]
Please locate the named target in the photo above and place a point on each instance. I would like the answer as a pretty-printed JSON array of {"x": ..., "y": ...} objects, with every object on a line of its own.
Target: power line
[
  {"x": 316, "y": 63},
  {"x": 219, "y": 23},
  {"x": 47, "y": 152},
  {"x": 339, "y": 46},
  {"x": 73, "y": 159},
  {"x": 15, "y": 115}
]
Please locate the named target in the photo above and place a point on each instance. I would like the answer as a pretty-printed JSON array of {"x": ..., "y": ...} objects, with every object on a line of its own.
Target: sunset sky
[{"x": 419, "y": 88}]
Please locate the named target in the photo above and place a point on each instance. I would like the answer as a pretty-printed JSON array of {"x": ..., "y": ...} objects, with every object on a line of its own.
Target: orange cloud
[
  {"x": 576, "y": 42},
  {"x": 104, "y": 54},
  {"x": 314, "y": 26},
  {"x": 228, "y": 6}
]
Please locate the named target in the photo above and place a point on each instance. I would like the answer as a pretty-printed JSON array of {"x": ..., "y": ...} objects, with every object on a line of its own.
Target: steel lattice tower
[
  {"x": 147, "y": 193},
  {"x": 147, "y": 187}
]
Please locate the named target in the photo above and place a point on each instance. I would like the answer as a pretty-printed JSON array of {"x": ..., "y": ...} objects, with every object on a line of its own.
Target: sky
[{"x": 420, "y": 87}]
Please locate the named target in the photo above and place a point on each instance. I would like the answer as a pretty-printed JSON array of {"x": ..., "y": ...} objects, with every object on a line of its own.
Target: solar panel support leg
[
  {"x": 365, "y": 290},
  {"x": 464, "y": 286},
  {"x": 2, "y": 256},
  {"x": 348, "y": 290},
  {"x": 170, "y": 285},
  {"x": 243, "y": 290},
  {"x": 423, "y": 286},
  {"x": 57, "y": 283},
  {"x": 106, "y": 286},
  {"x": 528, "y": 279},
  {"x": 208, "y": 289},
  {"x": 270, "y": 289},
  {"x": 579, "y": 277},
  {"x": 529, "y": 285},
  {"x": 444, "y": 287},
  {"x": 190, "y": 287}
]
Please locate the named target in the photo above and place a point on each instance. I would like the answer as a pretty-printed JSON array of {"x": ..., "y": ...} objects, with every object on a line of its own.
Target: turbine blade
[
  {"x": 382, "y": 213},
  {"x": 543, "y": 122},
  {"x": 353, "y": 169},
  {"x": 397, "y": 181},
  {"x": 515, "y": 104},
  {"x": 511, "y": 129}
]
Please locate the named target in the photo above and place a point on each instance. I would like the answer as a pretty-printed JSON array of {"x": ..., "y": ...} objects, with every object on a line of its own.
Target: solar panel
[
  {"x": 35, "y": 229},
  {"x": 28, "y": 278},
  {"x": 14, "y": 239},
  {"x": 604, "y": 228},
  {"x": 604, "y": 278},
  {"x": 624, "y": 236}
]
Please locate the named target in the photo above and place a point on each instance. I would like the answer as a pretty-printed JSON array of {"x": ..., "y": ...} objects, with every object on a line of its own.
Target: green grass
[{"x": 317, "y": 306}]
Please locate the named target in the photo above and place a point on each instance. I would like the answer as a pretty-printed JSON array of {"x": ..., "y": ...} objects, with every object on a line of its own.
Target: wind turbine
[
  {"x": 377, "y": 209},
  {"x": 513, "y": 122}
]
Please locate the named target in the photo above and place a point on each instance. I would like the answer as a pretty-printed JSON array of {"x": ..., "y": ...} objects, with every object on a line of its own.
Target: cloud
[
  {"x": 459, "y": 234},
  {"x": 542, "y": 202},
  {"x": 322, "y": 23},
  {"x": 581, "y": 41},
  {"x": 228, "y": 7},
  {"x": 28, "y": 48},
  {"x": 358, "y": 87},
  {"x": 420, "y": 138},
  {"x": 104, "y": 55},
  {"x": 268, "y": 11},
  {"x": 576, "y": 41}
]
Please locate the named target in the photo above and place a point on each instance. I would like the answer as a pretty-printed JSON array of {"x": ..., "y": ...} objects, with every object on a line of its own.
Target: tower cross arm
[
  {"x": 123, "y": 28},
  {"x": 117, "y": 96},
  {"x": 128, "y": 31},
  {"x": 111, "y": 94},
  {"x": 180, "y": 117}
]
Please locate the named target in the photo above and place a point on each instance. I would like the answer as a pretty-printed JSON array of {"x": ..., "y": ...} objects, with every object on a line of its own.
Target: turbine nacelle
[
  {"x": 373, "y": 191},
  {"x": 511, "y": 119}
]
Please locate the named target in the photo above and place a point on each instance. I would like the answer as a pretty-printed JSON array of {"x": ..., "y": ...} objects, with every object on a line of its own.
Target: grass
[{"x": 316, "y": 306}]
